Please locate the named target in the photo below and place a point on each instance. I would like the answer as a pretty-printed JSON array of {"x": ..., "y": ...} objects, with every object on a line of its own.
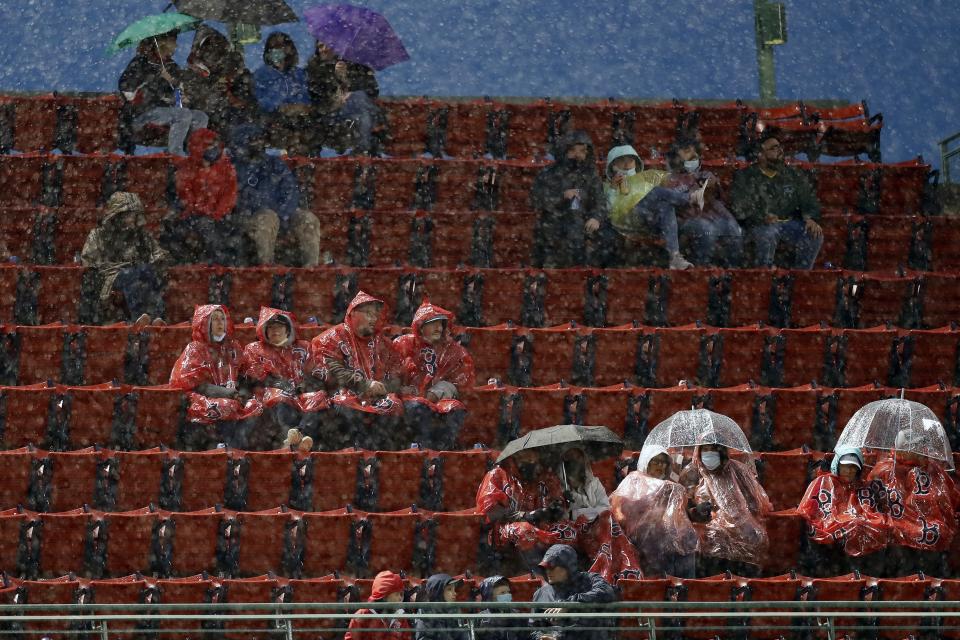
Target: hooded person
[
  {"x": 711, "y": 234},
  {"x": 382, "y": 625},
  {"x": 126, "y": 259},
  {"x": 841, "y": 511},
  {"x": 276, "y": 367},
  {"x": 652, "y": 510},
  {"x": 217, "y": 81},
  {"x": 435, "y": 368},
  {"x": 208, "y": 369},
  {"x": 920, "y": 501},
  {"x": 281, "y": 90},
  {"x": 152, "y": 90},
  {"x": 521, "y": 499},
  {"x": 359, "y": 121},
  {"x": 566, "y": 583},
  {"x": 497, "y": 589},
  {"x": 268, "y": 199},
  {"x": 360, "y": 367},
  {"x": 640, "y": 204},
  {"x": 729, "y": 507},
  {"x": 572, "y": 208},
  {"x": 440, "y": 587},
  {"x": 206, "y": 195},
  {"x": 599, "y": 537}
]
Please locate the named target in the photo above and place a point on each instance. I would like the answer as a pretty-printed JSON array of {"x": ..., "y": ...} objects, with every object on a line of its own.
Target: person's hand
[
  {"x": 376, "y": 388},
  {"x": 340, "y": 70},
  {"x": 617, "y": 179},
  {"x": 570, "y": 194},
  {"x": 813, "y": 228},
  {"x": 548, "y": 637},
  {"x": 592, "y": 225},
  {"x": 771, "y": 219}
]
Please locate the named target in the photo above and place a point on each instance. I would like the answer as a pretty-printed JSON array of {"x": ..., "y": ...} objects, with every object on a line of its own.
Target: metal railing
[
  {"x": 947, "y": 154},
  {"x": 829, "y": 620}
]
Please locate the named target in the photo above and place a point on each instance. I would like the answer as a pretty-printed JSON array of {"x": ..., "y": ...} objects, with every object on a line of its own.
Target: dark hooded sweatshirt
[
  {"x": 492, "y": 627},
  {"x": 546, "y": 194},
  {"x": 437, "y": 628},
  {"x": 582, "y": 587},
  {"x": 263, "y": 181}
]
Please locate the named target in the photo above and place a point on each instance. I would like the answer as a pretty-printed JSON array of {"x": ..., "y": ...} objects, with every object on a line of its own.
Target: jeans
[
  {"x": 802, "y": 247},
  {"x": 181, "y": 122},
  {"x": 658, "y": 210},
  {"x": 705, "y": 235},
  {"x": 142, "y": 290}
]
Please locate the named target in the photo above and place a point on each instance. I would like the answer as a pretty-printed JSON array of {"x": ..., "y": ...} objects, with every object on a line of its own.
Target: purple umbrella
[{"x": 356, "y": 34}]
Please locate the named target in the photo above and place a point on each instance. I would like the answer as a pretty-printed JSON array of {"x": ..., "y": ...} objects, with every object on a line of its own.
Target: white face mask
[
  {"x": 505, "y": 597},
  {"x": 626, "y": 173},
  {"x": 691, "y": 165},
  {"x": 710, "y": 459},
  {"x": 220, "y": 337}
]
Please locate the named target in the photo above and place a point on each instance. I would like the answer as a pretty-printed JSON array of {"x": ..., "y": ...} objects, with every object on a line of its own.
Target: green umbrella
[
  {"x": 597, "y": 442},
  {"x": 150, "y": 26}
]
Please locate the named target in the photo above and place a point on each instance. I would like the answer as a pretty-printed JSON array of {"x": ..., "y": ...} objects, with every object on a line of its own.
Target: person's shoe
[
  {"x": 677, "y": 261},
  {"x": 158, "y": 322},
  {"x": 141, "y": 322},
  {"x": 306, "y": 445}
]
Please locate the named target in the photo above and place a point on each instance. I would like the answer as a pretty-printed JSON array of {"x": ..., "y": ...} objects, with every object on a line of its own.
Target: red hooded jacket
[
  {"x": 385, "y": 583},
  {"x": 205, "y": 190},
  {"x": 205, "y": 361},
  {"x": 425, "y": 364}
]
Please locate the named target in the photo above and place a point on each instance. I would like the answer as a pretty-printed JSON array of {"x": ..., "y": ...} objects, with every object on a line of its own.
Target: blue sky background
[{"x": 902, "y": 57}]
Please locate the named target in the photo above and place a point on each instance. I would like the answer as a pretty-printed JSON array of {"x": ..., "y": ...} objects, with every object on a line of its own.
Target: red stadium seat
[
  {"x": 124, "y": 590},
  {"x": 784, "y": 528},
  {"x": 16, "y": 530},
  {"x": 564, "y": 297},
  {"x": 883, "y": 299},
  {"x": 250, "y": 289},
  {"x": 130, "y": 547},
  {"x": 260, "y": 589},
  {"x": 785, "y": 476},
  {"x": 335, "y": 479},
  {"x": 813, "y": 298},
  {"x": 944, "y": 247},
  {"x": 92, "y": 415},
  {"x": 933, "y": 357},
  {"x": 608, "y": 406},
  {"x": 105, "y": 354},
  {"x": 203, "y": 478},
  {"x": 851, "y": 399},
  {"x": 888, "y": 243},
  {"x": 527, "y": 132},
  {"x": 157, "y": 413},
  {"x": 713, "y": 589},
  {"x": 394, "y": 539},
  {"x": 25, "y": 415},
  {"x": 195, "y": 537},
  {"x": 82, "y": 182},
  {"x": 804, "y": 355},
  {"x": 677, "y": 354},
  {"x": 398, "y": 479},
  {"x": 36, "y": 122},
  {"x": 902, "y": 187},
  {"x": 8, "y": 285},
  {"x": 940, "y": 307},
  {"x": 328, "y": 543},
  {"x": 750, "y": 292},
  {"x": 740, "y": 355},
  {"x": 21, "y": 180},
  {"x": 97, "y": 119},
  {"x": 187, "y": 288},
  {"x": 457, "y": 542},
  {"x": 648, "y": 590},
  {"x": 686, "y": 299},
  {"x": 913, "y": 588},
  {"x": 16, "y": 469},
  {"x": 63, "y": 590},
  {"x": 795, "y": 416},
  {"x": 462, "y": 473},
  {"x": 546, "y": 406},
  {"x": 139, "y": 478},
  {"x": 490, "y": 406},
  {"x": 523, "y": 587},
  {"x": 41, "y": 353},
  {"x": 491, "y": 349},
  {"x": 263, "y": 539},
  {"x": 59, "y": 294},
  {"x": 189, "y": 590},
  {"x": 66, "y": 539},
  {"x": 867, "y": 356},
  {"x": 615, "y": 351},
  {"x": 73, "y": 478},
  {"x": 467, "y": 129},
  {"x": 552, "y": 354},
  {"x": 850, "y": 588},
  {"x": 149, "y": 177},
  {"x": 512, "y": 234},
  {"x": 407, "y": 124},
  {"x": 164, "y": 347},
  {"x": 785, "y": 588},
  {"x": 268, "y": 479}
]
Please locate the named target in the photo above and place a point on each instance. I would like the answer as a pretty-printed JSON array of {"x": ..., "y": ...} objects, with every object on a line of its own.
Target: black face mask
[
  {"x": 527, "y": 470},
  {"x": 211, "y": 155}
]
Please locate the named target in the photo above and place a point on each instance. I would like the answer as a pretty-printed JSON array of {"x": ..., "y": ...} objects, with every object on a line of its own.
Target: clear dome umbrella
[
  {"x": 696, "y": 427},
  {"x": 898, "y": 424}
]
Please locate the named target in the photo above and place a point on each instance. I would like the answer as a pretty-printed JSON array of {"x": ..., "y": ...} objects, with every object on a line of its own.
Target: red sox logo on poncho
[
  {"x": 922, "y": 482},
  {"x": 565, "y": 531},
  {"x": 213, "y": 411},
  {"x": 929, "y": 533},
  {"x": 429, "y": 360},
  {"x": 384, "y": 404},
  {"x": 895, "y": 501},
  {"x": 866, "y": 497},
  {"x": 824, "y": 500}
]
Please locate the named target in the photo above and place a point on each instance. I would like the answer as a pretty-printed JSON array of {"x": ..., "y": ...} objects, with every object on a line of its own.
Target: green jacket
[{"x": 787, "y": 195}]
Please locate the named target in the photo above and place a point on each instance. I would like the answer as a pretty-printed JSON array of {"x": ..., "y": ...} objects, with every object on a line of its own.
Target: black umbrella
[
  {"x": 597, "y": 442},
  {"x": 253, "y": 12}
]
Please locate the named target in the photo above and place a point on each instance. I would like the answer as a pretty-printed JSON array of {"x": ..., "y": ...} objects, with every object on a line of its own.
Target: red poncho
[
  {"x": 207, "y": 362},
  {"x": 502, "y": 488},
  {"x": 425, "y": 364},
  {"x": 202, "y": 189},
  {"x": 289, "y": 361},
  {"x": 921, "y": 503},
  {"x": 844, "y": 514},
  {"x": 370, "y": 358},
  {"x": 736, "y": 530}
]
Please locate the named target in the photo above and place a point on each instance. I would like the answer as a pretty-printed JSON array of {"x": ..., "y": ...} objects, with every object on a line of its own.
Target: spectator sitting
[
  {"x": 652, "y": 509},
  {"x": 126, "y": 259},
  {"x": 361, "y": 370},
  {"x": 220, "y": 410},
  {"x": 497, "y": 589},
  {"x": 387, "y": 587},
  {"x": 268, "y": 198},
  {"x": 566, "y": 583},
  {"x": 217, "y": 81},
  {"x": 435, "y": 368},
  {"x": 921, "y": 502},
  {"x": 207, "y": 193},
  {"x": 569, "y": 198},
  {"x": 521, "y": 498},
  {"x": 841, "y": 511},
  {"x": 150, "y": 84},
  {"x": 281, "y": 90},
  {"x": 638, "y": 204},
  {"x": 777, "y": 207},
  {"x": 358, "y": 122},
  {"x": 274, "y": 367},
  {"x": 729, "y": 507},
  {"x": 440, "y": 587},
  {"x": 713, "y": 235}
]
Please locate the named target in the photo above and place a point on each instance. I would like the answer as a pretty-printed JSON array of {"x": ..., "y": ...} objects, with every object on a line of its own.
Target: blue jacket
[
  {"x": 274, "y": 88},
  {"x": 263, "y": 182}
]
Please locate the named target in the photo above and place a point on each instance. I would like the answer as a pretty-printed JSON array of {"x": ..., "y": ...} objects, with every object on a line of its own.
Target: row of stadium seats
[
  {"x": 448, "y": 239},
  {"x": 585, "y": 357},
  {"x": 485, "y": 127},
  {"x": 137, "y": 418},
  {"x": 37, "y": 295},
  {"x": 374, "y": 481},
  {"x": 401, "y": 184}
]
